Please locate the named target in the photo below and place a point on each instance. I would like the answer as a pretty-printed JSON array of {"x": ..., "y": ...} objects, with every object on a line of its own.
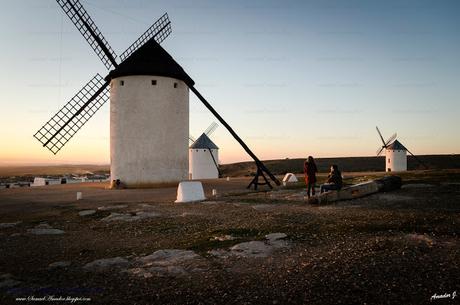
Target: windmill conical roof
[
  {"x": 396, "y": 145},
  {"x": 151, "y": 59},
  {"x": 204, "y": 142}
]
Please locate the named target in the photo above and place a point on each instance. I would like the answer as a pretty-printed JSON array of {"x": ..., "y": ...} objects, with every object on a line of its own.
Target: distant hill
[
  {"x": 52, "y": 170},
  {"x": 346, "y": 164},
  {"x": 278, "y": 167}
]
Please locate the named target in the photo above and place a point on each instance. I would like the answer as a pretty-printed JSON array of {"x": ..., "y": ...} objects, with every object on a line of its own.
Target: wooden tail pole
[{"x": 261, "y": 169}]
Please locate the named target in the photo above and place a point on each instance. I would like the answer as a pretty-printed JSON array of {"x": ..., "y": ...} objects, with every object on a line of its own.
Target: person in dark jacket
[
  {"x": 310, "y": 170},
  {"x": 334, "y": 180}
]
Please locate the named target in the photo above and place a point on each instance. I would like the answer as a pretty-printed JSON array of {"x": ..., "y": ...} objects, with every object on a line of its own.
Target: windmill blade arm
[
  {"x": 417, "y": 158},
  {"x": 215, "y": 162},
  {"x": 67, "y": 121},
  {"x": 191, "y": 139},
  {"x": 159, "y": 31},
  {"x": 380, "y": 134},
  {"x": 83, "y": 22},
  {"x": 379, "y": 151},
  {"x": 260, "y": 165}
]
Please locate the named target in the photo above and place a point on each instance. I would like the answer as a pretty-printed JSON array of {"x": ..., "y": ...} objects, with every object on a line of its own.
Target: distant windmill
[
  {"x": 149, "y": 107},
  {"x": 204, "y": 156},
  {"x": 395, "y": 154}
]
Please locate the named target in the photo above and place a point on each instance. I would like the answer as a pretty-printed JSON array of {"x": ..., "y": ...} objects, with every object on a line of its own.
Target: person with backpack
[{"x": 310, "y": 170}]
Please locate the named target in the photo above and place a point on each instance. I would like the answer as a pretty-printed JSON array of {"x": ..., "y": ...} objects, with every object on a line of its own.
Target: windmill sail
[
  {"x": 211, "y": 128},
  {"x": 158, "y": 31},
  {"x": 380, "y": 134},
  {"x": 67, "y": 121},
  {"x": 80, "y": 18},
  {"x": 391, "y": 139}
]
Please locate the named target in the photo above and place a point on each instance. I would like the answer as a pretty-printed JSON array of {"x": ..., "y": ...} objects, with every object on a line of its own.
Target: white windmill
[
  {"x": 149, "y": 107},
  {"x": 204, "y": 156},
  {"x": 395, "y": 154}
]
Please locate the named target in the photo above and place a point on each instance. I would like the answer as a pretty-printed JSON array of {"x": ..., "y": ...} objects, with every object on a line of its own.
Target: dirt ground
[{"x": 139, "y": 247}]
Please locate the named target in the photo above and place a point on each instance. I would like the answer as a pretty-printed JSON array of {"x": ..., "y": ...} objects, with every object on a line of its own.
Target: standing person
[
  {"x": 310, "y": 170},
  {"x": 334, "y": 180}
]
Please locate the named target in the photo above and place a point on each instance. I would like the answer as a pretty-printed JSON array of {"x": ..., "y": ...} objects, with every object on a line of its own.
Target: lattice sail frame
[
  {"x": 80, "y": 18},
  {"x": 159, "y": 31},
  {"x": 211, "y": 128},
  {"x": 67, "y": 121}
]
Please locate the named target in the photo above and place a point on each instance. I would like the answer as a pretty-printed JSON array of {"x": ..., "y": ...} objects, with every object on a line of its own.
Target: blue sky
[{"x": 293, "y": 78}]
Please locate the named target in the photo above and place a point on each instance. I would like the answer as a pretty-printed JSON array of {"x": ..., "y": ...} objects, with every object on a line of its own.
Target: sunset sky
[{"x": 293, "y": 78}]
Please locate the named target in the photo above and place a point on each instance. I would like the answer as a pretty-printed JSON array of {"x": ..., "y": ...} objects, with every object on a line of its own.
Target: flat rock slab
[
  {"x": 7, "y": 281},
  {"x": 254, "y": 248},
  {"x": 275, "y": 236},
  {"x": 419, "y": 239},
  {"x": 112, "y": 207},
  {"x": 87, "y": 212},
  {"x": 223, "y": 238},
  {"x": 158, "y": 271},
  {"x": 185, "y": 214},
  {"x": 394, "y": 197},
  {"x": 9, "y": 224},
  {"x": 61, "y": 264},
  {"x": 45, "y": 229},
  {"x": 107, "y": 263},
  {"x": 130, "y": 217},
  {"x": 168, "y": 257},
  {"x": 417, "y": 185},
  {"x": 167, "y": 262},
  {"x": 263, "y": 207}
]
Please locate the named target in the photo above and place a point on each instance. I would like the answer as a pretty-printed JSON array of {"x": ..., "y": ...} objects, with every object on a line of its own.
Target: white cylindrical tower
[
  {"x": 203, "y": 159},
  {"x": 396, "y": 157},
  {"x": 149, "y": 119}
]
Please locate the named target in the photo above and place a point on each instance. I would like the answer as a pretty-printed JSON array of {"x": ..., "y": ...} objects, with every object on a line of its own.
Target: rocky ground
[{"x": 138, "y": 247}]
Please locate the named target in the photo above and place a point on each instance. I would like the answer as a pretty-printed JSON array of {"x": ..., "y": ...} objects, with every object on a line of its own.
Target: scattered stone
[
  {"x": 220, "y": 253},
  {"x": 190, "y": 214},
  {"x": 147, "y": 206},
  {"x": 112, "y": 207},
  {"x": 86, "y": 212},
  {"x": 416, "y": 185},
  {"x": 211, "y": 202},
  {"x": 223, "y": 238},
  {"x": 420, "y": 239},
  {"x": 9, "y": 224},
  {"x": 275, "y": 236},
  {"x": 45, "y": 229},
  {"x": 394, "y": 197},
  {"x": 252, "y": 249},
  {"x": 261, "y": 207},
  {"x": 7, "y": 281},
  {"x": 130, "y": 217},
  {"x": 168, "y": 257},
  {"x": 170, "y": 270},
  {"x": 60, "y": 264},
  {"x": 105, "y": 263},
  {"x": 141, "y": 272},
  {"x": 166, "y": 262}
]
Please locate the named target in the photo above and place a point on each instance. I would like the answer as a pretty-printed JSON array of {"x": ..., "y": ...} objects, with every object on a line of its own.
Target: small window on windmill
[
  {"x": 389, "y": 160},
  {"x": 175, "y": 85},
  {"x": 204, "y": 150},
  {"x": 154, "y": 82},
  {"x": 122, "y": 83}
]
